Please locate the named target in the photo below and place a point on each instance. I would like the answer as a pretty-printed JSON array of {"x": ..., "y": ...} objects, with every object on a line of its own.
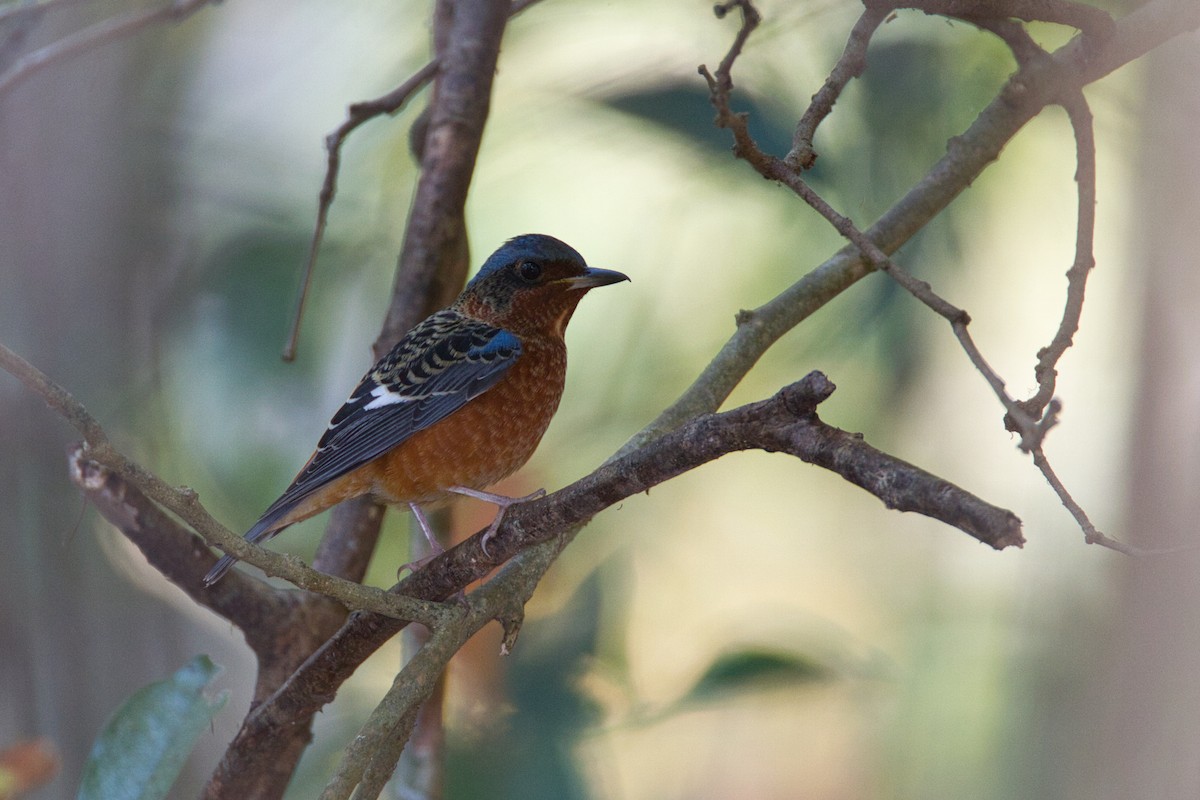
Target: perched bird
[{"x": 459, "y": 403}]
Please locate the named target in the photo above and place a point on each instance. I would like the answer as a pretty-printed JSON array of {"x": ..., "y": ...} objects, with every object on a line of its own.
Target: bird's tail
[{"x": 264, "y": 529}]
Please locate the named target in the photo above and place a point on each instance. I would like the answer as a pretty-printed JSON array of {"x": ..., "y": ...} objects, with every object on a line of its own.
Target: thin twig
[
  {"x": 356, "y": 115},
  {"x": 57, "y": 398},
  {"x": 1090, "y": 533},
  {"x": 1045, "y": 372},
  {"x": 94, "y": 36},
  {"x": 775, "y": 169},
  {"x": 1020, "y": 417},
  {"x": 850, "y": 65}
]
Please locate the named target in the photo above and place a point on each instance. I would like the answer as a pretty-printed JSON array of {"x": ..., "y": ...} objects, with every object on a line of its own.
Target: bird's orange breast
[{"x": 483, "y": 442}]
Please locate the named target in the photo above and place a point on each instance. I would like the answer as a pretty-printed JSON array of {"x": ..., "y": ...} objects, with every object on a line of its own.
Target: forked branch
[{"x": 1025, "y": 418}]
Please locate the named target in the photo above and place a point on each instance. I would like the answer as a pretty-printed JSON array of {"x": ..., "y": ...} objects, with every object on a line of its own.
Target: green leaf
[
  {"x": 143, "y": 747},
  {"x": 755, "y": 669}
]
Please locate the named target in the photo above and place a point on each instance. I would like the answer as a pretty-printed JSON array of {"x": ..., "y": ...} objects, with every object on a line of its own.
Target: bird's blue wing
[{"x": 436, "y": 369}]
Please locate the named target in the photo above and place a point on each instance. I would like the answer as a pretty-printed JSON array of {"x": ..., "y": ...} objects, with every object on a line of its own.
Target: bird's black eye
[{"x": 529, "y": 271}]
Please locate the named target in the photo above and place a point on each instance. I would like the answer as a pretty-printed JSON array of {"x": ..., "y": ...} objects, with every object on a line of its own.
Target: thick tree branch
[
  {"x": 785, "y": 423},
  {"x": 100, "y": 467},
  {"x": 434, "y": 253},
  {"x": 1089, "y": 20}
]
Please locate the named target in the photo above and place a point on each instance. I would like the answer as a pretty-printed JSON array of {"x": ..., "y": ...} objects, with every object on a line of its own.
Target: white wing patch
[{"x": 385, "y": 397}]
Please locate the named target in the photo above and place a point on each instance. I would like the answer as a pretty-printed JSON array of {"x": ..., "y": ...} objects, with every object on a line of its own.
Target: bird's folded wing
[{"x": 436, "y": 369}]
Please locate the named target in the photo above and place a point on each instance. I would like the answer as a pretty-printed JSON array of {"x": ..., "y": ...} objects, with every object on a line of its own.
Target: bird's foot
[
  {"x": 502, "y": 501},
  {"x": 416, "y": 564}
]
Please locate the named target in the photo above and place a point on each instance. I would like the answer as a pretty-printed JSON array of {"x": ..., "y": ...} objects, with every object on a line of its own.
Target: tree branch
[
  {"x": 539, "y": 529},
  {"x": 431, "y": 270},
  {"x": 1085, "y": 176},
  {"x": 1089, "y": 20},
  {"x": 357, "y": 114},
  {"x": 93, "y": 36},
  {"x": 1022, "y": 418},
  {"x": 850, "y": 65},
  {"x": 1027, "y": 92},
  {"x": 100, "y": 468}
]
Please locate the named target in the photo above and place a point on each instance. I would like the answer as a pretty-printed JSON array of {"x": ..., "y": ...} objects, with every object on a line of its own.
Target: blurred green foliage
[{"x": 143, "y": 747}]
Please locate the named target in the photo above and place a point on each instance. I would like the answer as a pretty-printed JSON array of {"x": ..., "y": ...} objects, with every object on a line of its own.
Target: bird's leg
[
  {"x": 434, "y": 544},
  {"x": 426, "y": 529},
  {"x": 500, "y": 500}
]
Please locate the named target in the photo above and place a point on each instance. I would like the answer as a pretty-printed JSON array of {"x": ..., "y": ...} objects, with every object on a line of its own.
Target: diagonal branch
[
  {"x": 1024, "y": 418},
  {"x": 96, "y": 465},
  {"x": 93, "y": 36},
  {"x": 539, "y": 529},
  {"x": 851, "y": 64},
  {"x": 1087, "y": 19}
]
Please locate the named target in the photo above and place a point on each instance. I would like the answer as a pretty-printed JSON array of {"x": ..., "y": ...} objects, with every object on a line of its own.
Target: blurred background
[{"x": 754, "y": 629}]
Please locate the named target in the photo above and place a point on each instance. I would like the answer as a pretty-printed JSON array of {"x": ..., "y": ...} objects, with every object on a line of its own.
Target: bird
[{"x": 458, "y": 404}]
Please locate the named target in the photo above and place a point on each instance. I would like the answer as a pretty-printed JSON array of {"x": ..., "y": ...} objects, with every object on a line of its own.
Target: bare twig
[
  {"x": 94, "y": 36},
  {"x": 850, "y": 65},
  {"x": 720, "y": 87},
  {"x": 967, "y": 155},
  {"x": 1090, "y": 532},
  {"x": 1085, "y": 176},
  {"x": 1020, "y": 417},
  {"x": 356, "y": 115}
]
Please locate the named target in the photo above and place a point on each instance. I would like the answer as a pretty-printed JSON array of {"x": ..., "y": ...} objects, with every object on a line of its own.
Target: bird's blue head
[
  {"x": 532, "y": 282},
  {"x": 529, "y": 247}
]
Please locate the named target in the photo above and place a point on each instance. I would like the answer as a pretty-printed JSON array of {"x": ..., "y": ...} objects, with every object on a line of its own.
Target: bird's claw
[{"x": 503, "y": 503}]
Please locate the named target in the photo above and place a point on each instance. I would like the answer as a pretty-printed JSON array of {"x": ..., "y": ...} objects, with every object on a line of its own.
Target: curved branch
[{"x": 1045, "y": 372}]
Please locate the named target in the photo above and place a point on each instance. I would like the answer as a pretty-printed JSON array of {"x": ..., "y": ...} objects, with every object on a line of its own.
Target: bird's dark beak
[{"x": 595, "y": 277}]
